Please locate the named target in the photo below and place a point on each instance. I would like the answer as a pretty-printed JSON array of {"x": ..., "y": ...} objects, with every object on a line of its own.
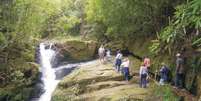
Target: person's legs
[
  {"x": 118, "y": 65},
  {"x": 145, "y": 80},
  {"x": 123, "y": 71},
  {"x": 126, "y": 76},
  {"x": 126, "y": 73},
  {"x": 177, "y": 80},
  {"x": 101, "y": 57},
  {"x": 141, "y": 79},
  {"x": 182, "y": 80},
  {"x": 104, "y": 58},
  {"x": 129, "y": 74},
  {"x": 165, "y": 78}
]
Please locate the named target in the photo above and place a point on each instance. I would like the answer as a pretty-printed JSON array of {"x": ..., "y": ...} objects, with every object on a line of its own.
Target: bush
[{"x": 165, "y": 93}]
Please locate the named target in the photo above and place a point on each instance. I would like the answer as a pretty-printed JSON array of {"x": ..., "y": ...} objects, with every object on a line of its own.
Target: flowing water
[
  {"x": 51, "y": 76},
  {"x": 48, "y": 73}
]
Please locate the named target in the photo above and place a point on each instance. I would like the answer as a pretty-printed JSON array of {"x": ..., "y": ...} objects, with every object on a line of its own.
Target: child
[
  {"x": 126, "y": 65},
  {"x": 118, "y": 60},
  {"x": 108, "y": 55},
  {"x": 143, "y": 75}
]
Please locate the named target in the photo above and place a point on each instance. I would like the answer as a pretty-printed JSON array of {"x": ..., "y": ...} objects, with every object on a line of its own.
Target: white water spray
[{"x": 48, "y": 73}]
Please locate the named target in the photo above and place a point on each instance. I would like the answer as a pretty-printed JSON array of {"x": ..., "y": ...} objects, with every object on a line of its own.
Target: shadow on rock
[
  {"x": 38, "y": 90},
  {"x": 63, "y": 72}
]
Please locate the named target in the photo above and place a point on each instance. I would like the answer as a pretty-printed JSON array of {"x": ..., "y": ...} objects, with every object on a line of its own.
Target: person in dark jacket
[{"x": 179, "y": 81}]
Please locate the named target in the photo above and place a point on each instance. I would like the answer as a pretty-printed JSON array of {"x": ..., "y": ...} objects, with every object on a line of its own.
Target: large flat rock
[{"x": 93, "y": 81}]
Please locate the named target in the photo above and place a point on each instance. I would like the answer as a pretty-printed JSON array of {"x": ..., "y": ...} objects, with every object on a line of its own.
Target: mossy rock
[
  {"x": 98, "y": 82},
  {"x": 77, "y": 50}
]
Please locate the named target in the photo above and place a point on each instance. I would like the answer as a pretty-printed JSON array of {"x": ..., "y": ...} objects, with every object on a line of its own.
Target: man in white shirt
[{"x": 126, "y": 66}]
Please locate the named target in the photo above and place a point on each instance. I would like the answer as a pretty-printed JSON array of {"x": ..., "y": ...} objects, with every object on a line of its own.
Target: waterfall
[
  {"x": 48, "y": 73},
  {"x": 50, "y": 76}
]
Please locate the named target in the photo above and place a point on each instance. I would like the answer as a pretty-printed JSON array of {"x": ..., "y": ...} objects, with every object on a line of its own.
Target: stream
[{"x": 50, "y": 75}]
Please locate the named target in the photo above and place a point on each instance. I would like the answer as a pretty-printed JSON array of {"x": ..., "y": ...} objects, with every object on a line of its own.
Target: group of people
[
  {"x": 123, "y": 66},
  {"x": 104, "y": 54},
  {"x": 164, "y": 73}
]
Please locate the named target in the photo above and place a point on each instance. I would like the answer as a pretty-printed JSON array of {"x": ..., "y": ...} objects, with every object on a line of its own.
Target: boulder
[{"x": 75, "y": 50}]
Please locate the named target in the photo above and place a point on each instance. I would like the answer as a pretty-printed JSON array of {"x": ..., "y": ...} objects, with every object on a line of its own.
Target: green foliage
[
  {"x": 165, "y": 93},
  {"x": 183, "y": 29},
  {"x": 196, "y": 42},
  {"x": 69, "y": 95},
  {"x": 22, "y": 23},
  {"x": 17, "y": 77},
  {"x": 2, "y": 41},
  {"x": 18, "y": 94},
  {"x": 127, "y": 19},
  {"x": 154, "y": 48}
]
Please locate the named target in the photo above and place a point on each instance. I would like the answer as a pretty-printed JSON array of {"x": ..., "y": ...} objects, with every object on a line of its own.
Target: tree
[{"x": 183, "y": 30}]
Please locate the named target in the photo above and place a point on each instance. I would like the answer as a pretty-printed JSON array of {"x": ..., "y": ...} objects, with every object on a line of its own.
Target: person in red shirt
[{"x": 147, "y": 62}]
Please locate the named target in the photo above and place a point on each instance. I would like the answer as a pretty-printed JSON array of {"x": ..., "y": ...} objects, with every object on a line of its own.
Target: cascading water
[
  {"x": 50, "y": 76},
  {"x": 48, "y": 73}
]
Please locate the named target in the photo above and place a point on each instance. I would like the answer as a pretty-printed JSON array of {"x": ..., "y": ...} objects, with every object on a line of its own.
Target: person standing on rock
[
  {"x": 101, "y": 53},
  {"x": 179, "y": 81},
  {"x": 147, "y": 63},
  {"x": 143, "y": 75},
  {"x": 118, "y": 60},
  {"x": 126, "y": 66}
]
